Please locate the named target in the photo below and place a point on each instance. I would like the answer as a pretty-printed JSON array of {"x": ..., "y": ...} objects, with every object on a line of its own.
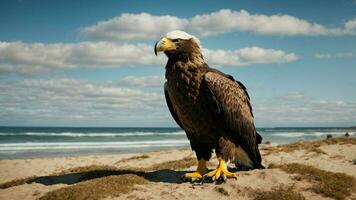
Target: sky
[{"x": 91, "y": 63}]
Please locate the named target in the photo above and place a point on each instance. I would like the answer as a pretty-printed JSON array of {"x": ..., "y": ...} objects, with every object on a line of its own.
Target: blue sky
[{"x": 91, "y": 63}]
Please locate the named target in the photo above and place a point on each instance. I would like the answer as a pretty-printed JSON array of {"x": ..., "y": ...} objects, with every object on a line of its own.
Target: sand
[{"x": 156, "y": 175}]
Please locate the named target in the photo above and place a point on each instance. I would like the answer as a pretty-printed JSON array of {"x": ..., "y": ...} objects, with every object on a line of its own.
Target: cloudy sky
[{"x": 80, "y": 63}]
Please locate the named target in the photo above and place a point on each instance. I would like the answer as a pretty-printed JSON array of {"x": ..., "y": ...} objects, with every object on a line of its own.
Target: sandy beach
[{"x": 324, "y": 169}]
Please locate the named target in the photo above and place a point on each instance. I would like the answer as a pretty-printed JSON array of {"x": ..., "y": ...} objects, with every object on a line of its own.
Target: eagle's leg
[
  {"x": 220, "y": 171},
  {"x": 198, "y": 174}
]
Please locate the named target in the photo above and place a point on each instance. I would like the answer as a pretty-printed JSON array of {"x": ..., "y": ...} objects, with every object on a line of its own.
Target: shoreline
[
  {"x": 48, "y": 142},
  {"x": 86, "y": 154},
  {"x": 154, "y": 175},
  {"x": 125, "y": 150}
]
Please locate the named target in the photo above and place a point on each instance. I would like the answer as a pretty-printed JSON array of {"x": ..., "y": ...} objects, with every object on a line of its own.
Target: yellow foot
[
  {"x": 220, "y": 172},
  {"x": 193, "y": 177},
  {"x": 198, "y": 175}
]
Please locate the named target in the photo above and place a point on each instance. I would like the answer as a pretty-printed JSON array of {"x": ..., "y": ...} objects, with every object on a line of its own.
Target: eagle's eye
[{"x": 175, "y": 40}]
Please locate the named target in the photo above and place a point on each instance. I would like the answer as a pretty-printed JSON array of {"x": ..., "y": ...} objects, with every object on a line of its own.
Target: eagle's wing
[
  {"x": 232, "y": 109},
  {"x": 170, "y": 106}
]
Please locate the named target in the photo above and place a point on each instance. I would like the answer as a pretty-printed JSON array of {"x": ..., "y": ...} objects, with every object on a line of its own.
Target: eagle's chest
[{"x": 188, "y": 102}]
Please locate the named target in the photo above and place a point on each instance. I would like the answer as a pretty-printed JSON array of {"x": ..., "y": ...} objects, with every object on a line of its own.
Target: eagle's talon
[
  {"x": 206, "y": 179},
  {"x": 223, "y": 177},
  {"x": 182, "y": 178},
  {"x": 213, "y": 178},
  {"x": 220, "y": 173}
]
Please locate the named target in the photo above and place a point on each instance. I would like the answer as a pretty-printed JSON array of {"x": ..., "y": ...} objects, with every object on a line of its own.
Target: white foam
[
  {"x": 89, "y": 145},
  {"x": 73, "y": 134},
  {"x": 307, "y": 134},
  {"x": 289, "y": 134}
]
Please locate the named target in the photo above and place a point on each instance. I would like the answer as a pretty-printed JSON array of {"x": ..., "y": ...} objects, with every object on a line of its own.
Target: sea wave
[
  {"x": 307, "y": 134},
  {"x": 89, "y": 145},
  {"x": 78, "y": 134}
]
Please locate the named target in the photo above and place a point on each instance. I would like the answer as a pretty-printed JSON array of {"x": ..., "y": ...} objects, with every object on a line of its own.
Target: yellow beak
[{"x": 164, "y": 44}]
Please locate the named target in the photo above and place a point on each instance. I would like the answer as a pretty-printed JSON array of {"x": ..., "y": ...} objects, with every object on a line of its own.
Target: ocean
[{"x": 37, "y": 142}]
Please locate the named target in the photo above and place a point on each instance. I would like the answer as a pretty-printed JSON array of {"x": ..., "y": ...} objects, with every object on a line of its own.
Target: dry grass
[
  {"x": 340, "y": 140},
  {"x": 278, "y": 193},
  {"x": 89, "y": 168},
  {"x": 328, "y": 184},
  {"x": 312, "y": 146},
  {"x": 136, "y": 158},
  {"x": 176, "y": 164},
  {"x": 98, "y": 171},
  {"x": 98, "y": 181},
  {"x": 222, "y": 191},
  {"x": 104, "y": 179},
  {"x": 17, "y": 182},
  {"x": 110, "y": 186}
]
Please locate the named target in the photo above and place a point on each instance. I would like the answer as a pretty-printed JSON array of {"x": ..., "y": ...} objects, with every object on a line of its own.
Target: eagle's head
[{"x": 179, "y": 45}]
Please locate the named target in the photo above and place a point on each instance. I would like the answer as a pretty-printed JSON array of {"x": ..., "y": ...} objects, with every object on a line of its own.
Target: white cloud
[
  {"x": 142, "y": 81},
  {"x": 297, "y": 109},
  {"x": 27, "y": 58},
  {"x": 146, "y": 26},
  {"x": 247, "y": 56},
  {"x": 134, "y": 26},
  {"x": 227, "y": 21},
  {"x": 81, "y": 102},
  {"x": 322, "y": 55},
  {"x": 71, "y": 101},
  {"x": 19, "y": 57},
  {"x": 351, "y": 25},
  {"x": 333, "y": 55},
  {"x": 292, "y": 96}
]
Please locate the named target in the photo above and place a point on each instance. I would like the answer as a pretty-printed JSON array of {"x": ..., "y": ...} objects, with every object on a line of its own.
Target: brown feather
[{"x": 236, "y": 114}]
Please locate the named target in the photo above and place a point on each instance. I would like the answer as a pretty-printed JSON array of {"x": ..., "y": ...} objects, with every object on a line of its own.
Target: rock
[
  {"x": 268, "y": 142},
  {"x": 347, "y": 134},
  {"x": 328, "y": 136}
]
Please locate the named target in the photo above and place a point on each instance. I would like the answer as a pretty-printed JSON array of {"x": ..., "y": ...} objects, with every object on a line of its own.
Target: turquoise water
[{"x": 33, "y": 142}]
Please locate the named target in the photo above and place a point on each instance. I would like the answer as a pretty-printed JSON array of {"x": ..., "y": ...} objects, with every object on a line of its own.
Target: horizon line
[{"x": 12, "y": 126}]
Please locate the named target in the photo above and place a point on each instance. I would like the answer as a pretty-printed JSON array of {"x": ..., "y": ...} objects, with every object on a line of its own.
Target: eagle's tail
[
  {"x": 258, "y": 165},
  {"x": 258, "y": 138},
  {"x": 256, "y": 162}
]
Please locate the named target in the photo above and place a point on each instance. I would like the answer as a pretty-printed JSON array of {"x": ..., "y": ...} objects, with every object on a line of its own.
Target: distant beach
[{"x": 39, "y": 142}]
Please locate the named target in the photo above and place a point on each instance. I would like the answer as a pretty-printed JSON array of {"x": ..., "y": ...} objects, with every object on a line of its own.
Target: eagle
[{"x": 212, "y": 108}]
